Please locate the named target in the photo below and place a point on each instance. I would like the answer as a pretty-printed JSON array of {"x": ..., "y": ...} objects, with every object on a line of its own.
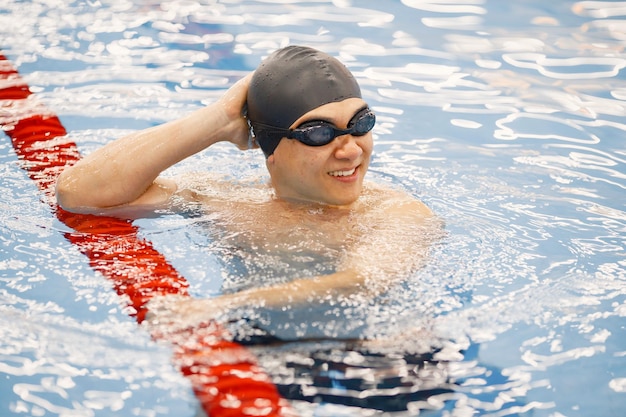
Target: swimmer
[{"x": 305, "y": 111}]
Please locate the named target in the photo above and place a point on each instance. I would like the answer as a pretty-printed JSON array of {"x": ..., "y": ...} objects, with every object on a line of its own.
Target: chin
[{"x": 344, "y": 200}]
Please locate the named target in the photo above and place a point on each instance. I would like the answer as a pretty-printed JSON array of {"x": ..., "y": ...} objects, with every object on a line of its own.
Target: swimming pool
[{"x": 507, "y": 118}]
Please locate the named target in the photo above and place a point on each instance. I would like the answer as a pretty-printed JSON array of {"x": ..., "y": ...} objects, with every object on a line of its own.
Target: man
[{"x": 307, "y": 114}]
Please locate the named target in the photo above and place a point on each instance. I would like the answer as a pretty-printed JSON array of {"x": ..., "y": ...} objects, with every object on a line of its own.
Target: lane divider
[{"x": 224, "y": 375}]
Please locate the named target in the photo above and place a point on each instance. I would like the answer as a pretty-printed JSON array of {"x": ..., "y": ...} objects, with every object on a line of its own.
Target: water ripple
[
  {"x": 570, "y": 68},
  {"x": 600, "y": 9},
  {"x": 538, "y": 126}
]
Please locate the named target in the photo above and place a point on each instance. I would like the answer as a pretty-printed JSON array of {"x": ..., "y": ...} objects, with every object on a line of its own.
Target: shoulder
[{"x": 392, "y": 200}]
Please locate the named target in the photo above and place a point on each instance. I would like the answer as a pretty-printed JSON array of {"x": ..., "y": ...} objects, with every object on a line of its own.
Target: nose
[{"x": 348, "y": 147}]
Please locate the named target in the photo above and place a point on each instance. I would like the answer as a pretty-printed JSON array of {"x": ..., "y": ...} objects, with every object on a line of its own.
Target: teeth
[{"x": 342, "y": 173}]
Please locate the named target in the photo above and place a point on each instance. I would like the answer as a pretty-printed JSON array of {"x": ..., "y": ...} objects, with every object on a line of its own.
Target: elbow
[
  {"x": 64, "y": 191},
  {"x": 67, "y": 192}
]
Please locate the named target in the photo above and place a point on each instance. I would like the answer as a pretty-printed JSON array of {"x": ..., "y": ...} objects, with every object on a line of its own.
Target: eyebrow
[{"x": 366, "y": 106}]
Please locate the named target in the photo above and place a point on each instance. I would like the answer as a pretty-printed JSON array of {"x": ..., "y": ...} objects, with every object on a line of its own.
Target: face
[{"x": 330, "y": 174}]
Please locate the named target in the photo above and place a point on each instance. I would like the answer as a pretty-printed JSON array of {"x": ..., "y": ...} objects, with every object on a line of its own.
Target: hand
[{"x": 233, "y": 103}]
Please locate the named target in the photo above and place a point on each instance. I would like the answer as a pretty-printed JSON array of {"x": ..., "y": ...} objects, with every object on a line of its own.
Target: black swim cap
[{"x": 291, "y": 82}]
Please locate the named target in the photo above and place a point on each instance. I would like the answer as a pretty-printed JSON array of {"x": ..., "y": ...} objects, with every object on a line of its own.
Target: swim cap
[{"x": 291, "y": 82}]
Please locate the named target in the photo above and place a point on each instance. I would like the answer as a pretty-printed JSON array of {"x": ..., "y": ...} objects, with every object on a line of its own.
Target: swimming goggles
[{"x": 320, "y": 132}]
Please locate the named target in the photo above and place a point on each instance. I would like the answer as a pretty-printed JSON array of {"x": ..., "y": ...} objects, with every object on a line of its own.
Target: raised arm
[{"x": 125, "y": 172}]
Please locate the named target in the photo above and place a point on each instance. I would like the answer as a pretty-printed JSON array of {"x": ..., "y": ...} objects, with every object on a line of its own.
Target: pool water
[{"x": 506, "y": 118}]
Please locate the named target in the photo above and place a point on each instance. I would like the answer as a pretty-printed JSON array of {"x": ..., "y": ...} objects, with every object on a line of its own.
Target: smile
[{"x": 342, "y": 173}]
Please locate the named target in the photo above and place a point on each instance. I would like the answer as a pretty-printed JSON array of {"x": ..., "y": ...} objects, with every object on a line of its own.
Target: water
[{"x": 506, "y": 118}]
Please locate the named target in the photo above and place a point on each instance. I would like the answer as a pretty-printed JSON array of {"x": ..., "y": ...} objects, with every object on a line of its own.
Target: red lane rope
[{"x": 225, "y": 376}]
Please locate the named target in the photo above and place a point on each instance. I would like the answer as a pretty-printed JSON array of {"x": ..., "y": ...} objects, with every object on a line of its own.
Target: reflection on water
[
  {"x": 507, "y": 118},
  {"x": 356, "y": 379}
]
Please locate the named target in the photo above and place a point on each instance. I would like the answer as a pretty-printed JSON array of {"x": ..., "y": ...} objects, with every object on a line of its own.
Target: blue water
[{"x": 507, "y": 118}]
